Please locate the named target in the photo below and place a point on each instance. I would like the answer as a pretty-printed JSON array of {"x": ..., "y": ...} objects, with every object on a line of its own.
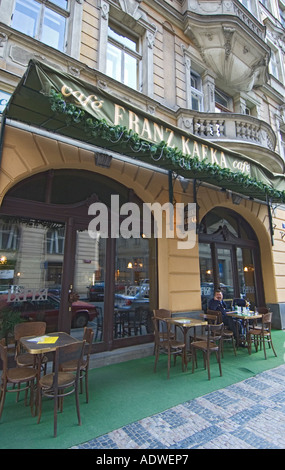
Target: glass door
[
  {"x": 135, "y": 287},
  {"x": 88, "y": 288},
  {"x": 246, "y": 275},
  {"x": 226, "y": 263}
]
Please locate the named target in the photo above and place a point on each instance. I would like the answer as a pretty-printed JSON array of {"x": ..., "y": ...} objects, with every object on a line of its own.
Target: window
[
  {"x": 282, "y": 15},
  {"x": 282, "y": 144},
  {"x": 122, "y": 58},
  {"x": 274, "y": 64},
  {"x": 223, "y": 103},
  {"x": 9, "y": 236},
  {"x": 266, "y": 3},
  {"x": 55, "y": 241},
  {"x": 246, "y": 4},
  {"x": 196, "y": 92},
  {"x": 45, "y": 21},
  {"x": 234, "y": 265}
]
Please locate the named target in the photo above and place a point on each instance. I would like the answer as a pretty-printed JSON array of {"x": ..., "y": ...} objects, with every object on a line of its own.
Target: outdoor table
[
  {"x": 245, "y": 317},
  {"x": 44, "y": 344},
  {"x": 185, "y": 324}
]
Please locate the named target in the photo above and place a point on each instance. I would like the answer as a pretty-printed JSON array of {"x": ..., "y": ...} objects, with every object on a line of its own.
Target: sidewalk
[{"x": 247, "y": 415}]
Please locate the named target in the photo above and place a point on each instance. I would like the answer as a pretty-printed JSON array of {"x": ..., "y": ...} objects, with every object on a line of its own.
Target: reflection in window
[
  {"x": 246, "y": 3},
  {"x": 9, "y": 237},
  {"x": 223, "y": 102},
  {"x": 122, "y": 58},
  {"x": 55, "y": 241},
  {"x": 196, "y": 92},
  {"x": 135, "y": 287},
  {"x": 246, "y": 274},
  {"x": 206, "y": 274},
  {"x": 42, "y": 22},
  {"x": 274, "y": 64}
]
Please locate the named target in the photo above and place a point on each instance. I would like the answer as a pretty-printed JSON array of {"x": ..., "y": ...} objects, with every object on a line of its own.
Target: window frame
[
  {"x": 124, "y": 51},
  {"x": 47, "y": 6},
  {"x": 220, "y": 107},
  {"x": 197, "y": 93}
]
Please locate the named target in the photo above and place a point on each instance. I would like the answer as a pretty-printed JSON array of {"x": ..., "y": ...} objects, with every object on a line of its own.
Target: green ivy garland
[{"x": 120, "y": 134}]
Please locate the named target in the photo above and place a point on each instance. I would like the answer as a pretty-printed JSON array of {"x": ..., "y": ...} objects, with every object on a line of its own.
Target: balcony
[
  {"x": 238, "y": 132},
  {"x": 231, "y": 42}
]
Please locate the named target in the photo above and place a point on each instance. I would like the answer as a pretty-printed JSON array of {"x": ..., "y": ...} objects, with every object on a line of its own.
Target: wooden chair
[
  {"x": 24, "y": 359},
  {"x": 228, "y": 335},
  {"x": 263, "y": 334},
  {"x": 16, "y": 376},
  {"x": 166, "y": 343},
  {"x": 255, "y": 322},
  {"x": 217, "y": 313},
  {"x": 58, "y": 385},
  {"x": 202, "y": 336},
  {"x": 212, "y": 344},
  {"x": 162, "y": 313},
  {"x": 71, "y": 366}
]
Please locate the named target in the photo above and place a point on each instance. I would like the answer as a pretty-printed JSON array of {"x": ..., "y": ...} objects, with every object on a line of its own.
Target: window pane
[
  {"x": 134, "y": 287},
  {"x": 130, "y": 71},
  {"x": 122, "y": 39},
  {"x": 55, "y": 241},
  {"x": 195, "y": 103},
  {"x": 30, "y": 276},
  {"x": 246, "y": 275},
  {"x": 89, "y": 283},
  {"x": 206, "y": 274},
  {"x": 225, "y": 272},
  {"x": 26, "y": 16},
  {"x": 114, "y": 65},
  {"x": 60, "y": 3},
  {"x": 53, "y": 30}
]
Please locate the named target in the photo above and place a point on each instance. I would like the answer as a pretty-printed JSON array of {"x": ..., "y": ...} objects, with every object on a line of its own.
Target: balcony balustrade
[{"x": 239, "y": 132}]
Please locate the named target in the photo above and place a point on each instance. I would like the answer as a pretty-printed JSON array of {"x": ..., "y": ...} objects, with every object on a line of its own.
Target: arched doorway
[
  {"x": 44, "y": 235},
  {"x": 229, "y": 258}
]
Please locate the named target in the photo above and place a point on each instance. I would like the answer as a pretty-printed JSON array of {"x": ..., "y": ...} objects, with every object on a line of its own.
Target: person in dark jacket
[{"x": 218, "y": 304}]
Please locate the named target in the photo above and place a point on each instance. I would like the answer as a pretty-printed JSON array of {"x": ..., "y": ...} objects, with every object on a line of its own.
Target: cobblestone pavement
[{"x": 247, "y": 415}]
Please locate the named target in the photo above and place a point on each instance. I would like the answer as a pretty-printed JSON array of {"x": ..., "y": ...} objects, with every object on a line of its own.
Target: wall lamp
[{"x": 102, "y": 159}]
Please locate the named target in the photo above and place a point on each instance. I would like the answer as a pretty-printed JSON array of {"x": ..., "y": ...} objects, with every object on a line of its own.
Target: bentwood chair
[
  {"x": 212, "y": 344},
  {"x": 166, "y": 343},
  {"x": 161, "y": 313},
  {"x": 71, "y": 366},
  {"x": 16, "y": 376},
  {"x": 228, "y": 335},
  {"x": 203, "y": 335},
  {"x": 263, "y": 334},
  {"x": 255, "y": 323},
  {"x": 21, "y": 330},
  {"x": 58, "y": 385}
]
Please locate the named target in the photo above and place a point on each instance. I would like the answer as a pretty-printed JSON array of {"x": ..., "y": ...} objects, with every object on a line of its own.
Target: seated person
[{"x": 218, "y": 304}]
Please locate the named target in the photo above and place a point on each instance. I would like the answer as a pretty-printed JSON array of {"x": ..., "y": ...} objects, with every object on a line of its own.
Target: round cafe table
[{"x": 246, "y": 317}]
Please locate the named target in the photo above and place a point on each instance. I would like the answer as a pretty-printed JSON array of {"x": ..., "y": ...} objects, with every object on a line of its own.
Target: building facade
[{"x": 119, "y": 102}]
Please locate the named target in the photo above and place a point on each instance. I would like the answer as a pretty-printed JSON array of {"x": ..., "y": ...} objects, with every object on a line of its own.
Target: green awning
[{"x": 63, "y": 104}]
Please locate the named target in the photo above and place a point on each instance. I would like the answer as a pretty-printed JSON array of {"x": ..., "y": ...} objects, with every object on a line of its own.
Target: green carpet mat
[{"x": 127, "y": 392}]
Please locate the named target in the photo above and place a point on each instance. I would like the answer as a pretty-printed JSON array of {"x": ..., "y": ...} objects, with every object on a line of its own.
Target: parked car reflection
[{"x": 47, "y": 310}]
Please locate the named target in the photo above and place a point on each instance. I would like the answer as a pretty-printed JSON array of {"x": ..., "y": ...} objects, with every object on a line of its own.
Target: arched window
[{"x": 229, "y": 258}]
